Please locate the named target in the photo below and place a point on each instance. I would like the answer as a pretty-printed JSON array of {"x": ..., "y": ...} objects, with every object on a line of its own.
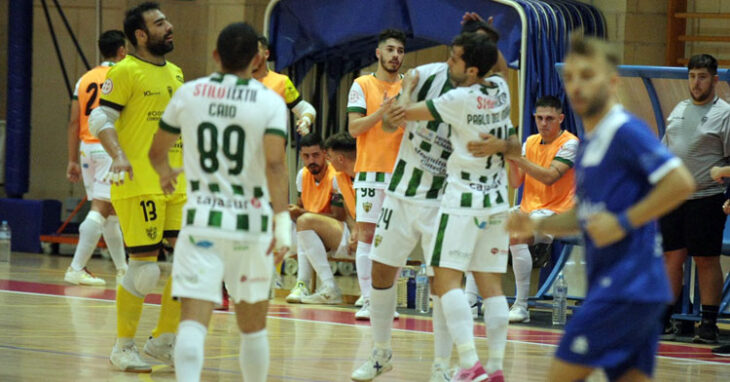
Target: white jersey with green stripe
[
  {"x": 475, "y": 185},
  {"x": 223, "y": 119},
  {"x": 419, "y": 174}
]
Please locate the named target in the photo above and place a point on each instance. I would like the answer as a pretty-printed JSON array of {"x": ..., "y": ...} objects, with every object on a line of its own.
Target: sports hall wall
[{"x": 636, "y": 27}]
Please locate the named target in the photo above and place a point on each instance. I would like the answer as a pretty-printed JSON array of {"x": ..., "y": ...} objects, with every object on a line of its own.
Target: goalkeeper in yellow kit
[{"x": 133, "y": 98}]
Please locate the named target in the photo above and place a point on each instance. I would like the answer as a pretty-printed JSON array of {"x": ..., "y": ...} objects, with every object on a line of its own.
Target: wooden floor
[{"x": 50, "y": 331}]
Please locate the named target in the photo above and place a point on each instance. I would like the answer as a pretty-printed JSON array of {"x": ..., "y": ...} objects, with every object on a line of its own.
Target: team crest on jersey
[
  {"x": 378, "y": 240},
  {"x": 367, "y": 206},
  {"x": 354, "y": 97},
  {"x": 107, "y": 86},
  {"x": 151, "y": 232}
]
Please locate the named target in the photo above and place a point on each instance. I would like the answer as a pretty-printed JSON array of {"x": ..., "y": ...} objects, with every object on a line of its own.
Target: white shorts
[
  {"x": 95, "y": 163},
  {"x": 369, "y": 203},
  {"x": 341, "y": 251},
  {"x": 402, "y": 225},
  {"x": 203, "y": 261},
  {"x": 540, "y": 238},
  {"x": 471, "y": 243}
]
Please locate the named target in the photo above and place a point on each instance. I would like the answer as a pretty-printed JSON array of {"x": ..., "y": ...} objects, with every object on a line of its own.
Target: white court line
[{"x": 679, "y": 360}]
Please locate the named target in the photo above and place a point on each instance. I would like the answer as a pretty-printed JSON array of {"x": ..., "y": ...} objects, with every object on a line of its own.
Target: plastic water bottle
[
  {"x": 5, "y": 239},
  {"x": 560, "y": 300},
  {"x": 422, "y": 304}
]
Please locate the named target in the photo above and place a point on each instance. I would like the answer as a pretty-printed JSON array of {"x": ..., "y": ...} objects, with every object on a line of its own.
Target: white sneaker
[
  {"x": 519, "y": 313},
  {"x": 327, "y": 295},
  {"x": 295, "y": 296},
  {"x": 161, "y": 348},
  {"x": 441, "y": 373},
  {"x": 82, "y": 277},
  {"x": 378, "y": 363},
  {"x": 364, "y": 312},
  {"x": 120, "y": 275},
  {"x": 360, "y": 301},
  {"x": 127, "y": 358}
]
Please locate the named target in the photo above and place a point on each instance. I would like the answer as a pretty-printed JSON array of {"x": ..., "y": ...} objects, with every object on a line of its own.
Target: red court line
[
  {"x": 69, "y": 290},
  {"x": 419, "y": 324}
]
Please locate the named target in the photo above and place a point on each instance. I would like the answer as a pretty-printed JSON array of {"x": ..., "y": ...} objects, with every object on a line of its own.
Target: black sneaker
[
  {"x": 669, "y": 333},
  {"x": 684, "y": 328},
  {"x": 722, "y": 351},
  {"x": 540, "y": 255},
  {"x": 707, "y": 333}
]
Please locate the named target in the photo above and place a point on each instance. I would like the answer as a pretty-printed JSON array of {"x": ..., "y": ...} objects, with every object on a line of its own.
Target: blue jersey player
[{"x": 625, "y": 180}]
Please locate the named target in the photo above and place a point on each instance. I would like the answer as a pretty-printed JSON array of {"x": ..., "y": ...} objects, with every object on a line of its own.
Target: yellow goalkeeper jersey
[{"x": 140, "y": 91}]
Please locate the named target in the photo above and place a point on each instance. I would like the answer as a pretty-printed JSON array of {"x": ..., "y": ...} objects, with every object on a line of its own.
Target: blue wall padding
[
  {"x": 20, "y": 52},
  {"x": 28, "y": 220}
]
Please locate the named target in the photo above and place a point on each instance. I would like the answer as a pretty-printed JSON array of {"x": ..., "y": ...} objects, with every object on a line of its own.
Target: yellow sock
[
  {"x": 169, "y": 312},
  {"x": 129, "y": 310}
]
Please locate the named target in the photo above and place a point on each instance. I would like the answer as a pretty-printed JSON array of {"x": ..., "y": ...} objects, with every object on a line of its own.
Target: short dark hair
[
  {"x": 341, "y": 141},
  {"x": 392, "y": 33},
  {"x": 134, "y": 20},
  {"x": 311, "y": 139},
  {"x": 550, "y": 101},
  {"x": 110, "y": 42},
  {"x": 264, "y": 41},
  {"x": 472, "y": 26},
  {"x": 237, "y": 45},
  {"x": 700, "y": 61},
  {"x": 593, "y": 47},
  {"x": 479, "y": 51}
]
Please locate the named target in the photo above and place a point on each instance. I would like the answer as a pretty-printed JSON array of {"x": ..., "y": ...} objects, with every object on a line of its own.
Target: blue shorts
[{"x": 616, "y": 337}]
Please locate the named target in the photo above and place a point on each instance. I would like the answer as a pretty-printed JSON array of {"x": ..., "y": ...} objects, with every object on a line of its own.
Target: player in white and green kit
[
  {"x": 409, "y": 211},
  {"x": 470, "y": 235},
  {"x": 234, "y": 129}
]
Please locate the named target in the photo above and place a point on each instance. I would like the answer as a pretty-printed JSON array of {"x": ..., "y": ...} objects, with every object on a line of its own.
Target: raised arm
[
  {"x": 306, "y": 115},
  {"x": 673, "y": 189},
  {"x": 515, "y": 175},
  {"x": 490, "y": 145},
  {"x": 359, "y": 123},
  {"x": 419, "y": 111},
  {"x": 545, "y": 175},
  {"x": 521, "y": 225},
  {"x": 606, "y": 228}
]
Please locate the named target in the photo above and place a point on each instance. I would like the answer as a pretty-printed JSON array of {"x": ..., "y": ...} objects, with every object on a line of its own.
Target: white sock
[
  {"x": 522, "y": 266},
  {"x": 254, "y": 356},
  {"x": 442, "y": 343},
  {"x": 382, "y": 308},
  {"x": 114, "y": 243},
  {"x": 189, "y": 350},
  {"x": 364, "y": 268},
  {"x": 461, "y": 326},
  {"x": 305, "y": 271},
  {"x": 89, "y": 234},
  {"x": 496, "y": 318},
  {"x": 471, "y": 289},
  {"x": 311, "y": 246}
]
